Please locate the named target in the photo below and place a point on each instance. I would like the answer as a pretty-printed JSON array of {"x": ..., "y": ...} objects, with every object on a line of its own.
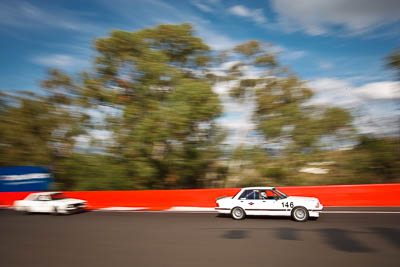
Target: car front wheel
[
  {"x": 238, "y": 213},
  {"x": 300, "y": 214}
]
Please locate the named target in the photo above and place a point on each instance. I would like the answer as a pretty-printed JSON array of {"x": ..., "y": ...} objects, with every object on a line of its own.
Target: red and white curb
[
  {"x": 212, "y": 210},
  {"x": 148, "y": 209},
  {"x": 122, "y": 209}
]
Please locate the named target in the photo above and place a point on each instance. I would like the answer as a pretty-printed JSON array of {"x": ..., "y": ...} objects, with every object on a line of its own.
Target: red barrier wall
[{"x": 376, "y": 195}]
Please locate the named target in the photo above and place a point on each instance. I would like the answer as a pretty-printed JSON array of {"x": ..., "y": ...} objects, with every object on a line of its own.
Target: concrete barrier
[{"x": 371, "y": 195}]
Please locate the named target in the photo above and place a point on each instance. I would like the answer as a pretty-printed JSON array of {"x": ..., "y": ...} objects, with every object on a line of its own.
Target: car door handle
[{"x": 263, "y": 200}]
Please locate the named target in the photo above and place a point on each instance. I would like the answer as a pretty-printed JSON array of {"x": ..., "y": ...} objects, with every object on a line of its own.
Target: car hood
[
  {"x": 311, "y": 199},
  {"x": 69, "y": 201}
]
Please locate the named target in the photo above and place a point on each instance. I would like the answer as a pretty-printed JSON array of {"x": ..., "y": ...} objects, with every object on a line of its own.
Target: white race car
[
  {"x": 268, "y": 201},
  {"x": 49, "y": 202}
]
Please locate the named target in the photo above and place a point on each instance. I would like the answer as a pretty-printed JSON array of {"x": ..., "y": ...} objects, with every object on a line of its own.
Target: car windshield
[
  {"x": 282, "y": 195},
  {"x": 58, "y": 196}
]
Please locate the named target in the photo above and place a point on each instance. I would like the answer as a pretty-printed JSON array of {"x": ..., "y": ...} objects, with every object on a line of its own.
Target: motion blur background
[{"x": 125, "y": 95}]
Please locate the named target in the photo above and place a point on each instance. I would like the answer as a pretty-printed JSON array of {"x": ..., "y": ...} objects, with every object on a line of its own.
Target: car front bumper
[
  {"x": 75, "y": 209},
  {"x": 315, "y": 212}
]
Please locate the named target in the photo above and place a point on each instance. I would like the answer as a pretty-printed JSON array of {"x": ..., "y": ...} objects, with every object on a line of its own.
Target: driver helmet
[{"x": 264, "y": 195}]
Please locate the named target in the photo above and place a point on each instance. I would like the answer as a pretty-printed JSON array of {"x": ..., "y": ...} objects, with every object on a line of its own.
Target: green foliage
[
  {"x": 377, "y": 159},
  {"x": 164, "y": 135},
  {"x": 393, "y": 61},
  {"x": 36, "y": 130},
  {"x": 282, "y": 109},
  {"x": 249, "y": 48},
  {"x": 276, "y": 173},
  {"x": 92, "y": 172}
]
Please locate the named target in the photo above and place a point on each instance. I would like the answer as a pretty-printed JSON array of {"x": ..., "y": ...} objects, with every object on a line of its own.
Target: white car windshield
[{"x": 283, "y": 195}]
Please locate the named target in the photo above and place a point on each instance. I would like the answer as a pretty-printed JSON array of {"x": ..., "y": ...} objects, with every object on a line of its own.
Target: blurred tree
[
  {"x": 283, "y": 113},
  {"x": 292, "y": 128},
  {"x": 376, "y": 160},
  {"x": 153, "y": 88},
  {"x": 393, "y": 61},
  {"x": 35, "y": 130},
  {"x": 162, "y": 125}
]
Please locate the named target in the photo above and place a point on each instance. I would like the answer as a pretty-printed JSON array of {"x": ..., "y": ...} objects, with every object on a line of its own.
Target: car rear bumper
[{"x": 223, "y": 210}]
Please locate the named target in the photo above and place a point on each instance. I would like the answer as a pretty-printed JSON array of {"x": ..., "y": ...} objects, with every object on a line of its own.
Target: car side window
[
  {"x": 32, "y": 197},
  {"x": 250, "y": 195},
  {"x": 244, "y": 194},
  {"x": 43, "y": 198},
  {"x": 254, "y": 195}
]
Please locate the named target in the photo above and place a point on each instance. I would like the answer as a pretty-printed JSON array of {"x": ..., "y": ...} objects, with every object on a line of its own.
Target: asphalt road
[{"x": 176, "y": 239}]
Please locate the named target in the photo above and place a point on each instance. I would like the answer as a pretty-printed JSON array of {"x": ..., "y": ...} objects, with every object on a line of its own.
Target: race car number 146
[{"x": 287, "y": 204}]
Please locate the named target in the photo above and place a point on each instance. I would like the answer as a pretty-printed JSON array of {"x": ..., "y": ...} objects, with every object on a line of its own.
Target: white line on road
[{"x": 210, "y": 210}]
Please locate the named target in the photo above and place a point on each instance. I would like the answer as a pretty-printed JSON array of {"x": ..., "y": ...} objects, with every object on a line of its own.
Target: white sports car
[
  {"x": 49, "y": 202},
  {"x": 268, "y": 201}
]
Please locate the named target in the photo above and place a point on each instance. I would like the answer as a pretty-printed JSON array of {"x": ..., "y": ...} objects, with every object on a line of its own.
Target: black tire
[
  {"x": 26, "y": 211},
  {"x": 300, "y": 214},
  {"x": 238, "y": 213},
  {"x": 55, "y": 211}
]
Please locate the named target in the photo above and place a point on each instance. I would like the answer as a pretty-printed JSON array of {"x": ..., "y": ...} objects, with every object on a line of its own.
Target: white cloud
[
  {"x": 256, "y": 15},
  {"x": 27, "y": 15},
  {"x": 229, "y": 64},
  {"x": 317, "y": 17},
  {"x": 380, "y": 90},
  {"x": 202, "y": 6},
  {"x": 373, "y": 103},
  {"x": 325, "y": 65},
  {"x": 59, "y": 61},
  {"x": 293, "y": 55},
  {"x": 287, "y": 53},
  {"x": 216, "y": 40},
  {"x": 236, "y": 117},
  {"x": 343, "y": 93}
]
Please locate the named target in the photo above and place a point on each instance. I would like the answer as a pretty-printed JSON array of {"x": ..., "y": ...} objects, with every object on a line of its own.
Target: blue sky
[{"x": 335, "y": 45}]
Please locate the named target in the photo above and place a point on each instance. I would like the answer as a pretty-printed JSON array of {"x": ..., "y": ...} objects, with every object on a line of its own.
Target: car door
[
  {"x": 43, "y": 203},
  {"x": 251, "y": 202},
  {"x": 272, "y": 204}
]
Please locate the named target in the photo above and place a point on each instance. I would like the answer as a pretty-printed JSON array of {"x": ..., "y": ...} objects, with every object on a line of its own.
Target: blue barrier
[{"x": 24, "y": 179}]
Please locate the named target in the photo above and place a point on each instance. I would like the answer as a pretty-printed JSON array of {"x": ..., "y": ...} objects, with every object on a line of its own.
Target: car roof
[
  {"x": 259, "y": 188},
  {"x": 45, "y": 193}
]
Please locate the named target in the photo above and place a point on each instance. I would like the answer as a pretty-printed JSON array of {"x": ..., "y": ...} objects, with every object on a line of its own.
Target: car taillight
[
  {"x": 317, "y": 205},
  {"x": 216, "y": 204}
]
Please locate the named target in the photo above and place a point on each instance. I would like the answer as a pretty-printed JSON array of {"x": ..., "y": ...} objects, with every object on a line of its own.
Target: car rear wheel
[
  {"x": 55, "y": 211},
  {"x": 300, "y": 214},
  {"x": 26, "y": 211},
  {"x": 238, "y": 213}
]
